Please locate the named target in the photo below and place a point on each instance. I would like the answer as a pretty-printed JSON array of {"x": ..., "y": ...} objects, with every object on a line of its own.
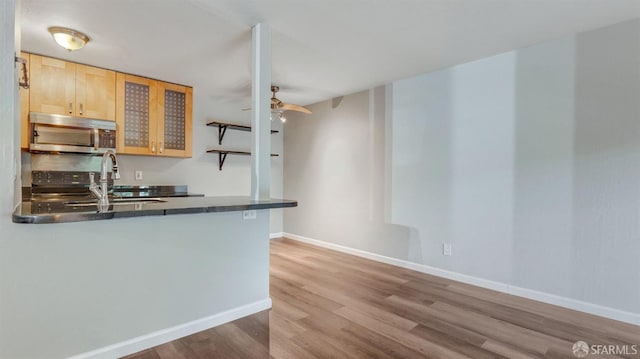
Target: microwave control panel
[{"x": 107, "y": 139}]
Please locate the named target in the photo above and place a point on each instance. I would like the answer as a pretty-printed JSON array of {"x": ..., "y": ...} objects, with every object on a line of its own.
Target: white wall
[
  {"x": 606, "y": 168},
  {"x": 453, "y": 157},
  {"x": 528, "y": 163},
  {"x": 543, "y": 182},
  {"x": 75, "y": 287}
]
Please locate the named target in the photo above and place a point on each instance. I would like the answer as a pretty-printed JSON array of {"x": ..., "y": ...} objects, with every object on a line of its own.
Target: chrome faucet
[{"x": 102, "y": 192}]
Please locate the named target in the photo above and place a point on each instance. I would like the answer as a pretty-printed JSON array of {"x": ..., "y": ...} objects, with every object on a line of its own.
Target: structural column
[
  {"x": 261, "y": 111},
  {"x": 9, "y": 117}
]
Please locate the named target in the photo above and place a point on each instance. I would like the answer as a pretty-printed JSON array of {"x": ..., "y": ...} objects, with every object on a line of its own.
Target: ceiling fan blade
[
  {"x": 292, "y": 107},
  {"x": 274, "y": 103},
  {"x": 277, "y": 105}
]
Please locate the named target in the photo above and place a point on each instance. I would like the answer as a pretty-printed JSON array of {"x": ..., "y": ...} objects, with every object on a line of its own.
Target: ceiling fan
[
  {"x": 277, "y": 104},
  {"x": 278, "y": 107}
]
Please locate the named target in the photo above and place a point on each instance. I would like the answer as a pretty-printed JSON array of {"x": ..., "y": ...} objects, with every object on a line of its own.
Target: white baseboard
[
  {"x": 276, "y": 235},
  {"x": 166, "y": 335},
  {"x": 595, "y": 309}
]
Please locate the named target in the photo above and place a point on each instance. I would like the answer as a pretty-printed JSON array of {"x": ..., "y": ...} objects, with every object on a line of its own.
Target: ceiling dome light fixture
[{"x": 68, "y": 38}]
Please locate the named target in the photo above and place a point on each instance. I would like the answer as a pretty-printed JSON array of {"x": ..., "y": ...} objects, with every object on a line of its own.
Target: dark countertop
[{"x": 56, "y": 211}]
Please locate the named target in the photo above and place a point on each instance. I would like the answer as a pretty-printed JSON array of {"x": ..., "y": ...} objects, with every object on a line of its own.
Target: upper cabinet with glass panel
[{"x": 153, "y": 117}]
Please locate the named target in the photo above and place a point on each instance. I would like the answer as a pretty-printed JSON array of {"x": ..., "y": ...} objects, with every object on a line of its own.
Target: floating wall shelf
[
  {"x": 222, "y": 128},
  {"x": 222, "y": 155}
]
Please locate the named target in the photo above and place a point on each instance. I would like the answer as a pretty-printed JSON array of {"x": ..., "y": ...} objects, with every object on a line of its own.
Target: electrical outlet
[
  {"x": 251, "y": 214},
  {"x": 138, "y": 175},
  {"x": 446, "y": 249}
]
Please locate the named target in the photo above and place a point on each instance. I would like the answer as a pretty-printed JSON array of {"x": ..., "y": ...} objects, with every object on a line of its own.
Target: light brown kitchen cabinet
[
  {"x": 66, "y": 88},
  {"x": 136, "y": 106},
  {"x": 24, "y": 107},
  {"x": 95, "y": 93},
  {"x": 153, "y": 117},
  {"x": 52, "y": 85},
  {"x": 175, "y": 103}
]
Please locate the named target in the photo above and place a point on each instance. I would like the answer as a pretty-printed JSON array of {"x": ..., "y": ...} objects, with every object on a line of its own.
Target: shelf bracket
[
  {"x": 221, "y": 157},
  {"x": 222, "y": 129}
]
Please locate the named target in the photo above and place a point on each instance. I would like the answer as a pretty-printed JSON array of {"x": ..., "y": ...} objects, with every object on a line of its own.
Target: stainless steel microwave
[{"x": 58, "y": 133}]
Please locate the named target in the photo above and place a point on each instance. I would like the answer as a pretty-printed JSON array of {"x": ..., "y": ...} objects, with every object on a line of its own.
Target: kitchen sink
[{"x": 116, "y": 202}]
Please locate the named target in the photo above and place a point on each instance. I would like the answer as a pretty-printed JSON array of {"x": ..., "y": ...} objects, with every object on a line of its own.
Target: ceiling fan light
[
  {"x": 277, "y": 114},
  {"x": 68, "y": 38}
]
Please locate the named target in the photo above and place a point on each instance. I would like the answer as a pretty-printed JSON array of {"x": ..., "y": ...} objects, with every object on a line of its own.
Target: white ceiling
[{"x": 321, "y": 48}]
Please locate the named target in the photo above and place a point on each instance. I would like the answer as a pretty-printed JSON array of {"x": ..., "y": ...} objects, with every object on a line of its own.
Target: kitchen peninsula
[{"x": 161, "y": 206}]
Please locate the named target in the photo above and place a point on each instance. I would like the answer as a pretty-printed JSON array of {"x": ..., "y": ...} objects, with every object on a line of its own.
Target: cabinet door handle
[
  {"x": 153, "y": 147},
  {"x": 161, "y": 147},
  {"x": 70, "y": 107},
  {"x": 81, "y": 109}
]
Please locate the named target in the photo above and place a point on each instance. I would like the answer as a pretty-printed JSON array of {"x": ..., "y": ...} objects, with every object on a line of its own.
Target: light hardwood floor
[{"x": 328, "y": 304}]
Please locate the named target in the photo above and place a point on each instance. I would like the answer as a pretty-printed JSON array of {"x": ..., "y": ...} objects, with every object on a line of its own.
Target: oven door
[{"x": 64, "y": 139}]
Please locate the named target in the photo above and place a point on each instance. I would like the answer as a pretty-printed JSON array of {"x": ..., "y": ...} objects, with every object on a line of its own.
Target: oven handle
[{"x": 96, "y": 139}]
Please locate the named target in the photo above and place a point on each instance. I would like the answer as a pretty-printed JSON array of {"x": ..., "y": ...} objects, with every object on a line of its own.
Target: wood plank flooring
[{"x": 328, "y": 304}]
